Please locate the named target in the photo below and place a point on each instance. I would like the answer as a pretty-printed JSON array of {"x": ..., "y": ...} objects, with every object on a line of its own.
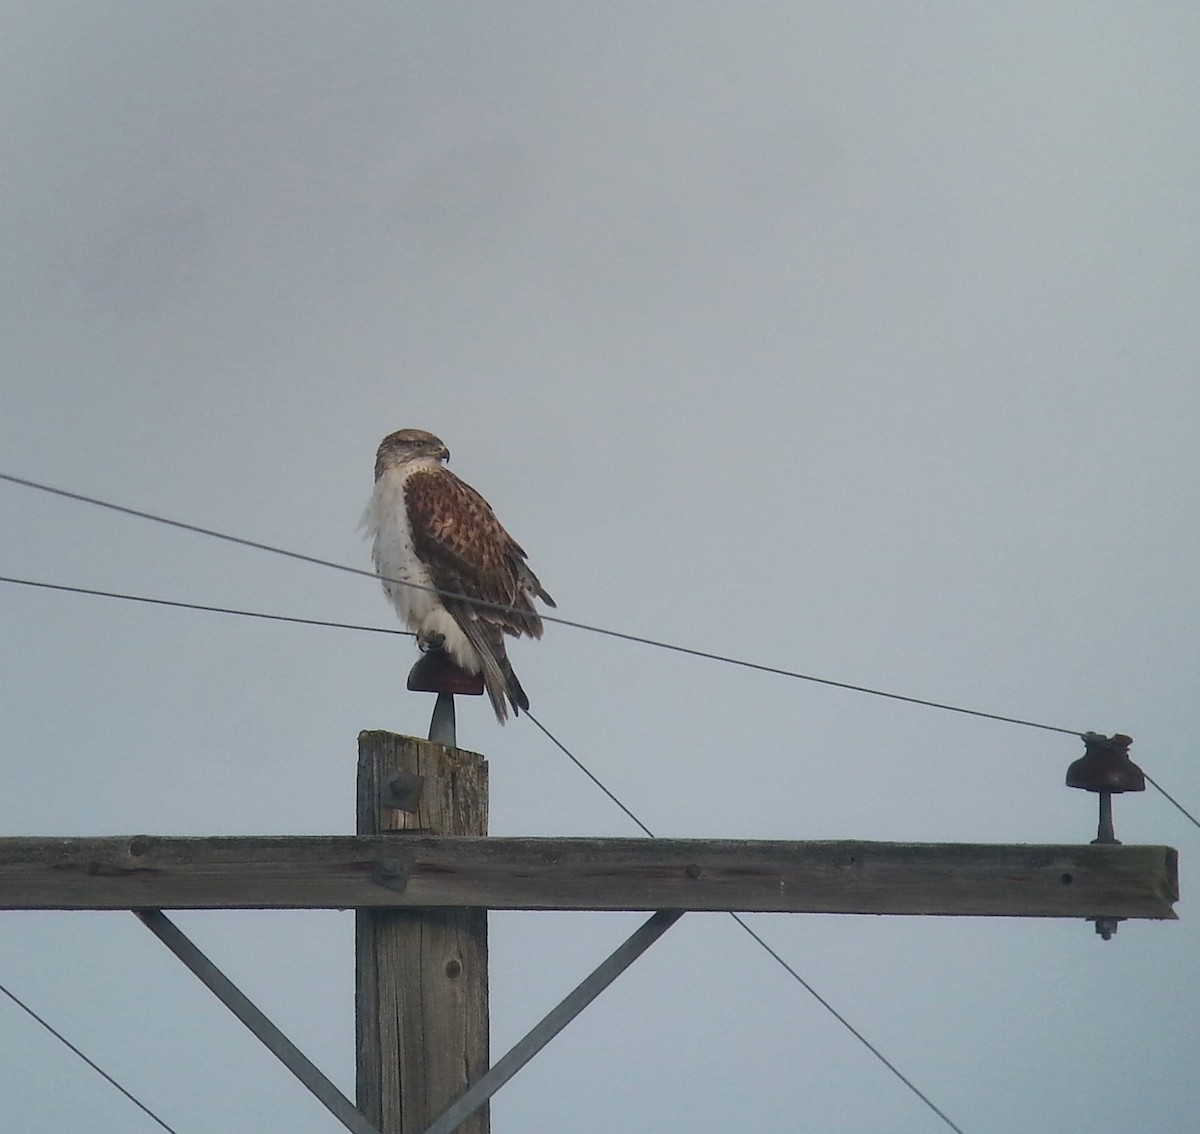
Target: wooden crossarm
[{"x": 410, "y": 869}]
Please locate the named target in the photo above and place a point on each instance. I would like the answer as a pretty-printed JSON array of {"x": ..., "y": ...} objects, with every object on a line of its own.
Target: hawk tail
[
  {"x": 513, "y": 688},
  {"x": 499, "y": 679}
]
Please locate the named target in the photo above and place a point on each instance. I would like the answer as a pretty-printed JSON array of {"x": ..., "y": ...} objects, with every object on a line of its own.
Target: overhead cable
[
  {"x": 208, "y": 609},
  {"x": 621, "y": 635},
  {"x": 862, "y": 1039},
  {"x": 91, "y": 1063},
  {"x": 391, "y": 630}
]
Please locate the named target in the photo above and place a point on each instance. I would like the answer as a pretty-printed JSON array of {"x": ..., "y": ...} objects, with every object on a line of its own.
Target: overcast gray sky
[{"x": 857, "y": 339}]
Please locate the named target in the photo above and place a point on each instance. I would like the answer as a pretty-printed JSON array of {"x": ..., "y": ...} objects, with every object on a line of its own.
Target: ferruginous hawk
[{"x": 434, "y": 530}]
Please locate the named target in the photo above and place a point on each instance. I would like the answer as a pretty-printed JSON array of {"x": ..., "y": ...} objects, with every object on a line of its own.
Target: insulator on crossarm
[{"x": 1105, "y": 768}]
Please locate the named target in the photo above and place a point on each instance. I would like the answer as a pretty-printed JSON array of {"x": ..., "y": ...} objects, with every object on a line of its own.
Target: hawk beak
[{"x": 444, "y": 453}]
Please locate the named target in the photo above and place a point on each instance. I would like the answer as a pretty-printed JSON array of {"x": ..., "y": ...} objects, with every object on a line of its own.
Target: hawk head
[{"x": 407, "y": 445}]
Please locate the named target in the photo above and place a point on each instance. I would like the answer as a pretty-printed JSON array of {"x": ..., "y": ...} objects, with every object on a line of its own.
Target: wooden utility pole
[{"x": 421, "y": 974}]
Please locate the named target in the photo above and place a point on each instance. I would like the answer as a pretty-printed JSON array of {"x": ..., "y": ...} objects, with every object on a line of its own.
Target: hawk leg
[{"x": 431, "y": 642}]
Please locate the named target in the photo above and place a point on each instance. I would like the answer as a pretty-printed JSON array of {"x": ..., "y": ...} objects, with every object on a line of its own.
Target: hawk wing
[{"x": 467, "y": 552}]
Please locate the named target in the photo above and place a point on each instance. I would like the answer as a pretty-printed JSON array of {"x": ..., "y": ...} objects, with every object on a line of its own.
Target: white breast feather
[{"x": 386, "y": 522}]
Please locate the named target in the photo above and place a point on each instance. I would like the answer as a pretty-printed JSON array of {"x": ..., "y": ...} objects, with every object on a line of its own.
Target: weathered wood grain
[
  {"x": 338, "y": 872},
  {"x": 421, "y": 974}
]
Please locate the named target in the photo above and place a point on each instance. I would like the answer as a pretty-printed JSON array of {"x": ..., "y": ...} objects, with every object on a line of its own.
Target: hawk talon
[{"x": 431, "y": 642}]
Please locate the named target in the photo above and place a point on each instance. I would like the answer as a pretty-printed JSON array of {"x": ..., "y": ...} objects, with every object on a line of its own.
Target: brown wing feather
[{"x": 469, "y": 553}]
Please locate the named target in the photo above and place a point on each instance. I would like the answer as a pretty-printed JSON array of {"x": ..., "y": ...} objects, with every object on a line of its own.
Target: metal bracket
[
  {"x": 276, "y": 1042},
  {"x": 553, "y": 1022},
  {"x": 402, "y": 791},
  {"x": 393, "y": 872}
]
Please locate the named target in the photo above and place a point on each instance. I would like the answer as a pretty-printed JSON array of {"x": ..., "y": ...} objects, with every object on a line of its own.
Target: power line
[
  {"x": 390, "y": 630},
  {"x": 853, "y": 1030},
  {"x": 787, "y": 967},
  {"x": 621, "y": 635},
  {"x": 587, "y": 772},
  {"x": 1172, "y": 801},
  {"x": 208, "y": 609},
  {"x": 95, "y": 1067}
]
